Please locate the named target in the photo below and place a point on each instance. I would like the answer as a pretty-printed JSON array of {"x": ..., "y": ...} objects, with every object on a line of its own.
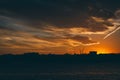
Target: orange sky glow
[{"x": 59, "y": 27}]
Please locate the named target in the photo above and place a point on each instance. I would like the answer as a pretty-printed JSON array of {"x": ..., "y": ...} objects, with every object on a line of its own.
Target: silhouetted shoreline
[
  {"x": 34, "y": 66},
  {"x": 36, "y": 58}
]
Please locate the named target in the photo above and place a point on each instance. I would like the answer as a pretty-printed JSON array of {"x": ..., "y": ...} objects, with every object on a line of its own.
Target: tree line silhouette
[{"x": 36, "y": 58}]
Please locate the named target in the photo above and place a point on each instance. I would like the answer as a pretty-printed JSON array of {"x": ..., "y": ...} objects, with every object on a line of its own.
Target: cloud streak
[{"x": 116, "y": 29}]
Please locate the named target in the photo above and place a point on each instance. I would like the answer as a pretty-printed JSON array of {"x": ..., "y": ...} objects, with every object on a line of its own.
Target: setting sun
[{"x": 103, "y": 51}]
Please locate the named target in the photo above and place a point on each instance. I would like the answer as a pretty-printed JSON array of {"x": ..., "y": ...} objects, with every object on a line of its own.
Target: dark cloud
[
  {"x": 83, "y": 40},
  {"x": 64, "y": 37},
  {"x": 58, "y": 13}
]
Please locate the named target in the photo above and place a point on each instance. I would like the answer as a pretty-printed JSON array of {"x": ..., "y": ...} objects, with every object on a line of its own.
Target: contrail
[{"x": 116, "y": 29}]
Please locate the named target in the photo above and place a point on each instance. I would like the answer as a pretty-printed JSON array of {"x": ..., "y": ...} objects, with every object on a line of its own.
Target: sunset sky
[{"x": 59, "y": 26}]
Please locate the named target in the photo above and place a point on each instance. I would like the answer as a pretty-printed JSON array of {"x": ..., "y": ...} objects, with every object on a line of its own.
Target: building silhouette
[{"x": 93, "y": 53}]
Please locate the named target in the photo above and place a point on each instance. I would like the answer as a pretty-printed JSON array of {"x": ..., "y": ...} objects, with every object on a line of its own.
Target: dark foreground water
[
  {"x": 62, "y": 76},
  {"x": 61, "y": 72},
  {"x": 57, "y": 67}
]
